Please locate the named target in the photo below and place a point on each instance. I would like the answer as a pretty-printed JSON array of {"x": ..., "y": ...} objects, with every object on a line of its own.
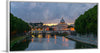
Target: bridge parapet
[{"x": 51, "y": 31}]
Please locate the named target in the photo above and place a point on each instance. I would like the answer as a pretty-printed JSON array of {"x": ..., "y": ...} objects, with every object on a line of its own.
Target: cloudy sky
[{"x": 48, "y": 12}]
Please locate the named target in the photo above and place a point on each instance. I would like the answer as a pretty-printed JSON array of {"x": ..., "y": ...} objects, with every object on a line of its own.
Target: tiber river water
[{"x": 49, "y": 43}]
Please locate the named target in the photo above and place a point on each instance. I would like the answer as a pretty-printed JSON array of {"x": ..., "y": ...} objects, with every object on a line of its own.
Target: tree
[
  {"x": 17, "y": 25},
  {"x": 87, "y": 23}
]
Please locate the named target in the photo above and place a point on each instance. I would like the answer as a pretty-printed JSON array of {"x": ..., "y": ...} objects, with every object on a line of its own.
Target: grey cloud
[{"x": 49, "y": 12}]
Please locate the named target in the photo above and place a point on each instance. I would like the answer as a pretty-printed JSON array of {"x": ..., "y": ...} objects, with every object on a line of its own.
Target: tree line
[
  {"x": 87, "y": 22},
  {"x": 17, "y": 25}
]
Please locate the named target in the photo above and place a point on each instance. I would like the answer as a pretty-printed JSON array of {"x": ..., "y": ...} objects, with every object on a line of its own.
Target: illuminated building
[
  {"x": 62, "y": 25},
  {"x": 37, "y": 26}
]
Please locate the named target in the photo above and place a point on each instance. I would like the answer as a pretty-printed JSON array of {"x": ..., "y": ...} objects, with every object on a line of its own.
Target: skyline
[{"x": 48, "y": 13}]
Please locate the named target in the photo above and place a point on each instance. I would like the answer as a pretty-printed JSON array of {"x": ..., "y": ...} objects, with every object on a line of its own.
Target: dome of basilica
[{"x": 62, "y": 21}]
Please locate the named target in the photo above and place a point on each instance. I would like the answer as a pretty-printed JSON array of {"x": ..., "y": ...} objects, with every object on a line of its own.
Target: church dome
[{"x": 62, "y": 20}]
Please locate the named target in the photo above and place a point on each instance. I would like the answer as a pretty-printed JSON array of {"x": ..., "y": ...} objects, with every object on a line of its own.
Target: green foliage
[
  {"x": 87, "y": 23},
  {"x": 18, "y": 25},
  {"x": 69, "y": 26},
  {"x": 51, "y": 29},
  {"x": 20, "y": 46}
]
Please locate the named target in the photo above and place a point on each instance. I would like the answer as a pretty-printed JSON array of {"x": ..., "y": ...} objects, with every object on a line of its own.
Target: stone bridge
[{"x": 50, "y": 32}]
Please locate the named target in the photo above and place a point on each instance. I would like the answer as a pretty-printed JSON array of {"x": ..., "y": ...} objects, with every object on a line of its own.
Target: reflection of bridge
[
  {"x": 68, "y": 32},
  {"x": 52, "y": 33}
]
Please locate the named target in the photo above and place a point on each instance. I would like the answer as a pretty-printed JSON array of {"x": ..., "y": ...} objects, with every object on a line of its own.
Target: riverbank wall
[{"x": 83, "y": 40}]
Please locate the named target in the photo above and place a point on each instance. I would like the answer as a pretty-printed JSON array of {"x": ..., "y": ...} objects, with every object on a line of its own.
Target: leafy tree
[
  {"x": 17, "y": 25},
  {"x": 87, "y": 23},
  {"x": 69, "y": 26}
]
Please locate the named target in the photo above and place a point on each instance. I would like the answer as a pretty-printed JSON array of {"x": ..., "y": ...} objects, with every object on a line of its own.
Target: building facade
[{"x": 62, "y": 25}]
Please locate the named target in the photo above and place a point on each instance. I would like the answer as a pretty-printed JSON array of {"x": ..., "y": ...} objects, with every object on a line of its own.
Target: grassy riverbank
[{"x": 17, "y": 39}]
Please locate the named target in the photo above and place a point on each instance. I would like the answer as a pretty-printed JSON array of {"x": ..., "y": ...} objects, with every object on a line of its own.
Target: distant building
[
  {"x": 37, "y": 26},
  {"x": 62, "y": 25}
]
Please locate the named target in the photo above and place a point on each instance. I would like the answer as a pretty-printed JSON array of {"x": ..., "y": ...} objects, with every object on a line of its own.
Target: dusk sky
[{"x": 48, "y": 13}]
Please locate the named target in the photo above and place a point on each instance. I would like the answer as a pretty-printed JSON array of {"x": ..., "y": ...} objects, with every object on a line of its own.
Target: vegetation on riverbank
[
  {"x": 87, "y": 23},
  {"x": 18, "y": 28},
  {"x": 17, "y": 25},
  {"x": 21, "y": 45},
  {"x": 17, "y": 39},
  {"x": 80, "y": 45}
]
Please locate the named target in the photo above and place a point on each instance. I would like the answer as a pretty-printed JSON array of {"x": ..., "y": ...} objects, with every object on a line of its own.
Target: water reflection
[
  {"x": 33, "y": 36},
  {"x": 40, "y": 39},
  {"x": 32, "y": 40},
  {"x": 55, "y": 36},
  {"x": 48, "y": 42},
  {"x": 40, "y": 36},
  {"x": 63, "y": 38},
  {"x": 48, "y": 36},
  {"x": 65, "y": 41},
  {"x": 55, "y": 39}
]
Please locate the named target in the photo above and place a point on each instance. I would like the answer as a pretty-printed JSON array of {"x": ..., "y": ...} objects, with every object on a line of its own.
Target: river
[{"x": 49, "y": 43}]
